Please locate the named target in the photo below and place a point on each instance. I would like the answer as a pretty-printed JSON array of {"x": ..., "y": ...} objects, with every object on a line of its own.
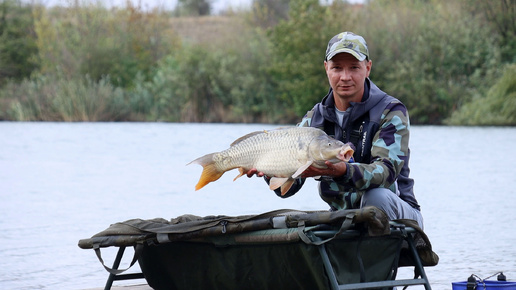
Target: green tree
[
  {"x": 18, "y": 48},
  {"x": 91, "y": 40},
  {"x": 430, "y": 55},
  {"x": 500, "y": 16},
  {"x": 298, "y": 46},
  {"x": 210, "y": 83},
  {"x": 267, "y": 13},
  {"x": 87, "y": 62},
  {"x": 497, "y": 107}
]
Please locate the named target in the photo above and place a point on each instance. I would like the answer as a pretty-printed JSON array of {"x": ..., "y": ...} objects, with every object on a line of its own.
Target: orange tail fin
[{"x": 209, "y": 172}]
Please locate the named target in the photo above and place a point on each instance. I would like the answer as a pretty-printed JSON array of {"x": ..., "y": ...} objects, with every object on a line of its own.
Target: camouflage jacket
[{"x": 378, "y": 127}]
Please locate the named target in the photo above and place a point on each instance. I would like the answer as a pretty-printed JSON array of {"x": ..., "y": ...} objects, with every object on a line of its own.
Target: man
[{"x": 355, "y": 110}]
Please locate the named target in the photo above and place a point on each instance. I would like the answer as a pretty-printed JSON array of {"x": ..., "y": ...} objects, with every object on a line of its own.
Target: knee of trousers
[
  {"x": 383, "y": 199},
  {"x": 378, "y": 197},
  {"x": 391, "y": 204}
]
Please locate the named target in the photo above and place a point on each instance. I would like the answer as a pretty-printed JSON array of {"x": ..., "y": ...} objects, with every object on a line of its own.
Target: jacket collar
[{"x": 372, "y": 95}]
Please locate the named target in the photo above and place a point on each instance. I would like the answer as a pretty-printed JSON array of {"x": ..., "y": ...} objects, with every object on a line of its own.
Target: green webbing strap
[
  {"x": 346, "y": 225},
  {"x": 137, "y": 250}
]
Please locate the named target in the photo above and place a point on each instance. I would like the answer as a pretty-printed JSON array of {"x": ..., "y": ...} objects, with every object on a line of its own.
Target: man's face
[{"x": 347, "y": 75}]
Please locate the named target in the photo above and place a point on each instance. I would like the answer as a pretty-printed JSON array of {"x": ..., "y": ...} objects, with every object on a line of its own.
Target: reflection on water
[{"x": 61, "y": 182}]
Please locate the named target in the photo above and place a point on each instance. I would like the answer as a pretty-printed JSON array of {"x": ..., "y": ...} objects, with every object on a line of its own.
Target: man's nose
[{"x": 345, "y": 75}]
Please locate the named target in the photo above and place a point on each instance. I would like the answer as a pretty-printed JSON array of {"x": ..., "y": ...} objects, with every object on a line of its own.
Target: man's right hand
[{"x": 254, "y": 171}]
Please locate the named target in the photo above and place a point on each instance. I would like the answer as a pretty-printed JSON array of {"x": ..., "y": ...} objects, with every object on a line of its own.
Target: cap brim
[{"x": 357, "y": 55}]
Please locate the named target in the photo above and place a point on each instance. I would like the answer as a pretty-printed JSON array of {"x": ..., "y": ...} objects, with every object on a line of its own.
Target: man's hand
[
  {"x": 254, "y": 171},
  {"x": 334, "y": 170}
]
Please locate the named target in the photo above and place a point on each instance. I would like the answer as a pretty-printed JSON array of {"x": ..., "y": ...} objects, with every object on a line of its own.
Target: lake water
[{"x": 61, "y": 182}]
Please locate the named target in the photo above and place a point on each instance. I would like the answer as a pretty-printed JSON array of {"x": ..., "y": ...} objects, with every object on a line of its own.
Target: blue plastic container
[{"x": 486, "y": 285}]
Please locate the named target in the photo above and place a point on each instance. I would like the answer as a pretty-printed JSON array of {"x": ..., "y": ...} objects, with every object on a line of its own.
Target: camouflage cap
[{"x": 347, "y": 42}]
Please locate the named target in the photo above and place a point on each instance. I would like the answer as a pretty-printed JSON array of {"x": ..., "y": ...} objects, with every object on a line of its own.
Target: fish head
[
  {"x": 324, "y": 148},
  {"x": 346, "y": 152}
]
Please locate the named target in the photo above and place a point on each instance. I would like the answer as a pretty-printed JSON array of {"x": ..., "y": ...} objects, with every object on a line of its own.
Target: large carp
[{"x": 282, "y": 154}]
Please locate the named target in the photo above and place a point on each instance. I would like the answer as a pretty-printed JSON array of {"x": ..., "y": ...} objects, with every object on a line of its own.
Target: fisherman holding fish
[
  {"x": 355, "y": 142},
  {"x": 355, "y": 110}
]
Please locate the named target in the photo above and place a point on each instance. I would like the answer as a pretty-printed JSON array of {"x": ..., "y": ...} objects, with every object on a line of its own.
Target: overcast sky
[{"x": 217, "y": 5}]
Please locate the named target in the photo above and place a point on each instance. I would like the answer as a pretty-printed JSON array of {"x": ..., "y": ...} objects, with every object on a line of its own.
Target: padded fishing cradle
[{"x": 283, "y": 249}]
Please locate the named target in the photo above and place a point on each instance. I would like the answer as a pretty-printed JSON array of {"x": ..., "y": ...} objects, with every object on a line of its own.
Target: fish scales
[
  {"x": 282, "y": 154},
  {"x": 275, "y": 153}
]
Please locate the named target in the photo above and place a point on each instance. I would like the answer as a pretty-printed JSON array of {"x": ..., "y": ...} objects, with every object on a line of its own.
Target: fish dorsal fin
[
  {"x": 302, "y": 168},
  {"x": 277, "y": 182},
  {"x": 247, "y": 136}
]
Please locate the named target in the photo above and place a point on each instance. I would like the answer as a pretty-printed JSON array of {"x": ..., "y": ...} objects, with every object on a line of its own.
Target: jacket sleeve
[{"x": 389, "y": 151}]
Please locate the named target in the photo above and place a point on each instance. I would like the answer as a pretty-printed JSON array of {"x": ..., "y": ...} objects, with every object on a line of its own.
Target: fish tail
[{"x": 210, "y": 172}]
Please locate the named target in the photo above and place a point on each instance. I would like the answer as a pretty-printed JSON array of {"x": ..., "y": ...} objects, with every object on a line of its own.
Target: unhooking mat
[{"x": 277, "y": 249}]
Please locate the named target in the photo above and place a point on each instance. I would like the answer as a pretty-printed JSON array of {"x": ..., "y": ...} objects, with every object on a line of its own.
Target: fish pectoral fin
[
  {"x": 302, "y": 168},
  {"x": 284, "y": 182},
  {"x": 277, "y": 182},
  {"x": 242, "y": 172},
  {"x": 286, "y": 186}
]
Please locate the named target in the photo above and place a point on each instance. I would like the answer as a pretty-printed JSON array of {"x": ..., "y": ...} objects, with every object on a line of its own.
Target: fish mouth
[{"x": 345, "y": 153}]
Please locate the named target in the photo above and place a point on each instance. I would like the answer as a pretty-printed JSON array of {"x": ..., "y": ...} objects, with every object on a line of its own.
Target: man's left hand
[{"x": 334, "y": 170}]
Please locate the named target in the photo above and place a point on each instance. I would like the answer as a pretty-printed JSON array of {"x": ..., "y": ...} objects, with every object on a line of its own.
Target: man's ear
[{"x": 369, "y": 64}]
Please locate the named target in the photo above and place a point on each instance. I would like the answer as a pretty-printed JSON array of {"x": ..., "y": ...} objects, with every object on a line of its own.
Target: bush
[
  {"x": 428, "y": 54},
  {"x": 91, "y": 40},
  {"x": 211, "y": 83},
  {"x": 299, "y": 46},
  {"x": 431, "y": 55},
  {"x": 434, "y": 55},
  {"x": 498, "y": 107},
  {"x": 60, "y": 99}
]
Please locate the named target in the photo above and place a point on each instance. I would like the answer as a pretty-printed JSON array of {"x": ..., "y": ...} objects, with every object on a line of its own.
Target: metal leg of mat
[
  {"x": 328, "y": 267},
  {"x": 116, "y": 264},
  {"x": 379, "y": 284},
  {"x": 113, "y": 277},
  {"x": 419, "y": 266}
]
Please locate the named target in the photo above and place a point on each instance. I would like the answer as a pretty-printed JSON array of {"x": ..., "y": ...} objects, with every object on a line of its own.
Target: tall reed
[{"x": 61, "y": 99}]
